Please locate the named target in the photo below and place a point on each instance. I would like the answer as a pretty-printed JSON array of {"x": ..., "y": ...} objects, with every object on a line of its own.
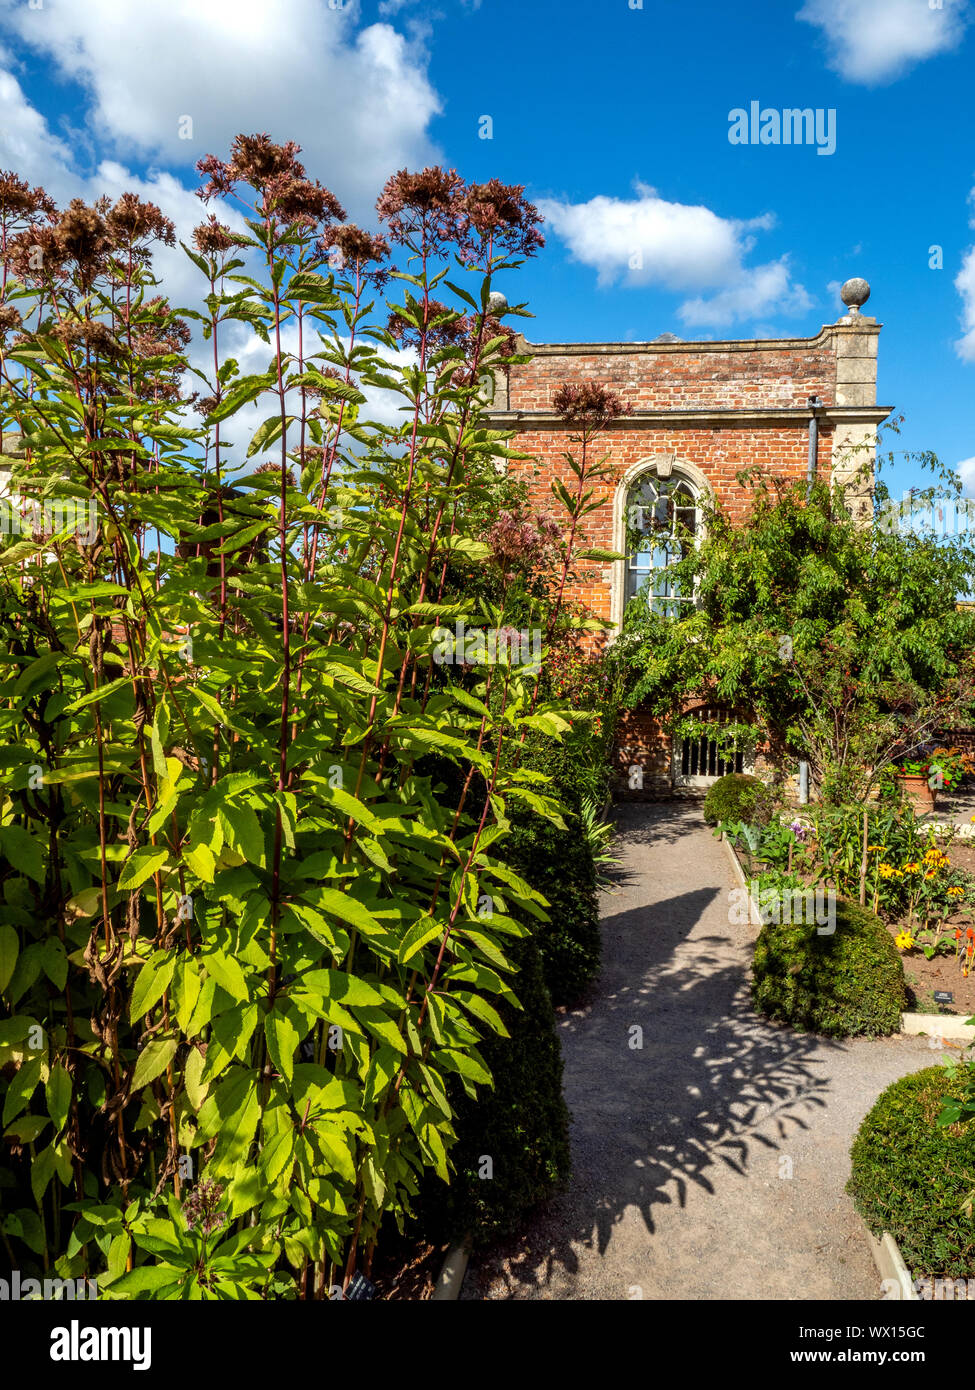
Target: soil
[
  {"x": 924, "y": 976},
  {"x": 406, "y": 1270},
  {"x": 962, "y": 855}
]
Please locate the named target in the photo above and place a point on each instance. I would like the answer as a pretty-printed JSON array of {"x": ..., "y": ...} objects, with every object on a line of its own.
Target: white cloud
[
  {"x": 357, "y": 100},
  {"x": 966, "y": 471},
  {"x": 675, "y": 246},
  {"x": 965, "y": 285},
  {"x": 758, "y": 290},
  {"x": 27, "y": 145},
  {"x": 873, "y": 41}
]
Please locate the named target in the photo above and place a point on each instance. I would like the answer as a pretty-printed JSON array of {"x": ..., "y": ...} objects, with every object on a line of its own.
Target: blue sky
[{"x": 616, "y": 118}]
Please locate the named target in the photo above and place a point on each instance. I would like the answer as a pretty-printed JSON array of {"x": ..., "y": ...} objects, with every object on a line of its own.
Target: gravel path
[{"x": 711, "y": 1163}]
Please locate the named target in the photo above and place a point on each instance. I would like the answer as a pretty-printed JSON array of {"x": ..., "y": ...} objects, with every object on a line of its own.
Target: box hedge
[
  {"x": 916, "y": 1180},
  {"x": 735, "y": 797},
  {"x": 842, "y": 984},
  {"x": 521, "y": 1124}
]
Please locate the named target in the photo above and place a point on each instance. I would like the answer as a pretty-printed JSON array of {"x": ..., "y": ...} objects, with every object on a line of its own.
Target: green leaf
[
  {"x": 227, "y": 973},
  {"x": 146, "y": 1279},
  {"x": 58, "y": 1092},
  {"x": 383, "y": 1068},
  {"x": 151, "y": 983},
  {"x": 55, "y": 961},
  {"x": 9, "y": 951},
  {"x": 243, "y": 830},
  {"x": 142, "y": 864},
  {"x": 282, "y": 1042},
  {"x": 34, "y": 676},
  {"x": 465, "y": 1063},
  {"x": 426, "y": 929},
  {"x": 337, "y": 985},
  {"x": 27, "y": 1128},
  {"x": 201, "y": 861},
  {"x": 154, "y": 1058},
  {"x": 24, "y": 851},
  {"x": 606, "y": 556},
  {"x": 311, "y": 288},
  {"x": 382, "y": 1026},
  {"x": 196, "y": 1089},
  {"x": 482, "y": 1010}
]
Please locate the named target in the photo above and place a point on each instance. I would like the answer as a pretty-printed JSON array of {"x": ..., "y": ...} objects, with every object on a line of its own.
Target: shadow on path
[{"x": 678, "y": 1092}]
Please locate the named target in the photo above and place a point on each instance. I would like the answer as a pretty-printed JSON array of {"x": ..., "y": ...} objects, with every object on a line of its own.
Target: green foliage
[
  {"x": 840, "y": 984},
  {"x": 241, "y": 941},
  {"x": 561, "y": 866},
  {"x": 843, "y": 642},
  {"x": 915, "y": 1179},
  {"x": 520, "y": 1126},
  {"x": 959, "y": 1107},
  {"x": 735, "y": 797},
  {"x": 561, "y": 861}
]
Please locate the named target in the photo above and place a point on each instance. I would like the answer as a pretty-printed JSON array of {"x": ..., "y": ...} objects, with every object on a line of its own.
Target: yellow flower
[
  {"x": 931, "y": 873},
  {"x": 913, "y": 867},
  {"x": 887, "y": 871},
  {"x": 904, "y": 941},
  {"x": 956, "y": 892}
]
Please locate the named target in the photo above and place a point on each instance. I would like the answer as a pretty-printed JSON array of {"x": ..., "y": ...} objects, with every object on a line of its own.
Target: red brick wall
[
  {"x": 691, "y": 379},
  {"x": 742, "y": 377},
  {"x": 719, "y": 453},
  {"x": 747, "y": 377}
]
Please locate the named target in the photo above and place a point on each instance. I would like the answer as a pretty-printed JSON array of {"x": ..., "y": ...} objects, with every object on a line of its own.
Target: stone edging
[
  {"x": 451, "y": 1278},
  {"x": 938, "y": 1026},
  {"x": 891, "y": 1267}
]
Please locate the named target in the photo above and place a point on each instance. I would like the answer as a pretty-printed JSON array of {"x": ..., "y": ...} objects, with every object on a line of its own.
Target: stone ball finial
[
  {"x": 855, "y": 293},
  {"x": 497, "y": 303}
]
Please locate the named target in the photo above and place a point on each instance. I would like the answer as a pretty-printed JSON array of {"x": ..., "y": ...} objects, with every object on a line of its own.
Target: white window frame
[{"x": 662, "y": 467}]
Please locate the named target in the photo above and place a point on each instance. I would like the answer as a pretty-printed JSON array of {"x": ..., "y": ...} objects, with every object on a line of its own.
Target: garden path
[{"x": 711, "y": 1162}]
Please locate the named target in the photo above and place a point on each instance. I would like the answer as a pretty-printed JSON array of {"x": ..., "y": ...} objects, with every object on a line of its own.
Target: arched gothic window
[{"x": 662, "y": 523}]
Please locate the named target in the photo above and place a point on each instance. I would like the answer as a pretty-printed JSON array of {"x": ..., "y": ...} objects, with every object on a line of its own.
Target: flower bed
[{"x": 920, "y": 883}]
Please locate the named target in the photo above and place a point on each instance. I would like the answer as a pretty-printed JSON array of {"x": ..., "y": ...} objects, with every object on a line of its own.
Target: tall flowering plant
[{"x": 245, "y": 939}]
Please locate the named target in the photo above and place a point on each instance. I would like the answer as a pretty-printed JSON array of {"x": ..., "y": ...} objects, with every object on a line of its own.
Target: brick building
[{"x": 701, "y": 411}]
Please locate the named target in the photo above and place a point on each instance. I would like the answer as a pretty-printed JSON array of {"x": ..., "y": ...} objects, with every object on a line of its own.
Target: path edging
[
  {"x": 451, "y": 1277},
  {"x": 938, "y": 1026},
  {"x": 890, "y": 1265}
]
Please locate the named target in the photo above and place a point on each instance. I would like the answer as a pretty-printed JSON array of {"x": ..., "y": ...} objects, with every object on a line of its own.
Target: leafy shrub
[
  {"x": 521, "y": 1125},
  {"x": 841, "y": 984},
  {"x": 237, "y": 924},
  {"x": 559, "y": 864},
  {"x": 914, "y": 1179},
  {"x": 735, "y": 797},
  {"x": 560, "y": 861}
]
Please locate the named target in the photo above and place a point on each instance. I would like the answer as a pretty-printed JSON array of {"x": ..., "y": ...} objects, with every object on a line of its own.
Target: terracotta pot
[{"x": 920, "y": 795}]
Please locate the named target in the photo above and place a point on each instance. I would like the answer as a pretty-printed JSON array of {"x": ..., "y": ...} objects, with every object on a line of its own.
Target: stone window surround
[{"x": 662, "y": 465}]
